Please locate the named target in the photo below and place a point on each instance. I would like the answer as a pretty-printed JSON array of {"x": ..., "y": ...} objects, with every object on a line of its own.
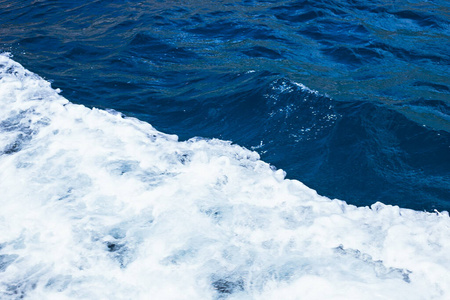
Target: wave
[{"x": 96, "y": 205}]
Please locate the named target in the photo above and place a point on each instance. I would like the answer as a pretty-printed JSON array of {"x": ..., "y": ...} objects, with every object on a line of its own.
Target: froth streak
[{"x": 98, "y": 206}]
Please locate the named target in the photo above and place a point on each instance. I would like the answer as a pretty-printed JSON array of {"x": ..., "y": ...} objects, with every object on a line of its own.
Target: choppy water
[
  {"x": 98, "y": 206},
  {"x": 376, "y": 127},
  {"x": 349, "y": 97}
]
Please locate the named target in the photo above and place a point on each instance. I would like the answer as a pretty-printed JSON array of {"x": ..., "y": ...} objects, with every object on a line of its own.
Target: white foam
[{"x": 97, "y": 206}]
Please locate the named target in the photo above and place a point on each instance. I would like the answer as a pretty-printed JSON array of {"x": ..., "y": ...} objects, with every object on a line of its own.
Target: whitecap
[{"x": 95, "y": 205}]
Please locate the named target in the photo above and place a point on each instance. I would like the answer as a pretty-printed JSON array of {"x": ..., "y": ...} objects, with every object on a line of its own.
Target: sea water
[
  {"x": 349, "y": 97},
  {"x": 95, "y": 205},
  {"x": 376, "y": 129}
]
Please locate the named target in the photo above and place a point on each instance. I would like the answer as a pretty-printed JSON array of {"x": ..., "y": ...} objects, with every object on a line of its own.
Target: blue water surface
[{"x": 350, "y": 97}]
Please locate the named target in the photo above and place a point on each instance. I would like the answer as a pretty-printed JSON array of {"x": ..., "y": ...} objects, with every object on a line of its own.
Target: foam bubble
[{"x": 96, "y": 205}]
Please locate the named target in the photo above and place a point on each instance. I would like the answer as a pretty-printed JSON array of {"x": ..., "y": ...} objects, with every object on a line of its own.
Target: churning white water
[{"x": 94, "y": 205}]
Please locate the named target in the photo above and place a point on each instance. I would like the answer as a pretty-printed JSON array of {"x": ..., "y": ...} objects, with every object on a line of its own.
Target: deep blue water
[{"x": 375, "y": 125}]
